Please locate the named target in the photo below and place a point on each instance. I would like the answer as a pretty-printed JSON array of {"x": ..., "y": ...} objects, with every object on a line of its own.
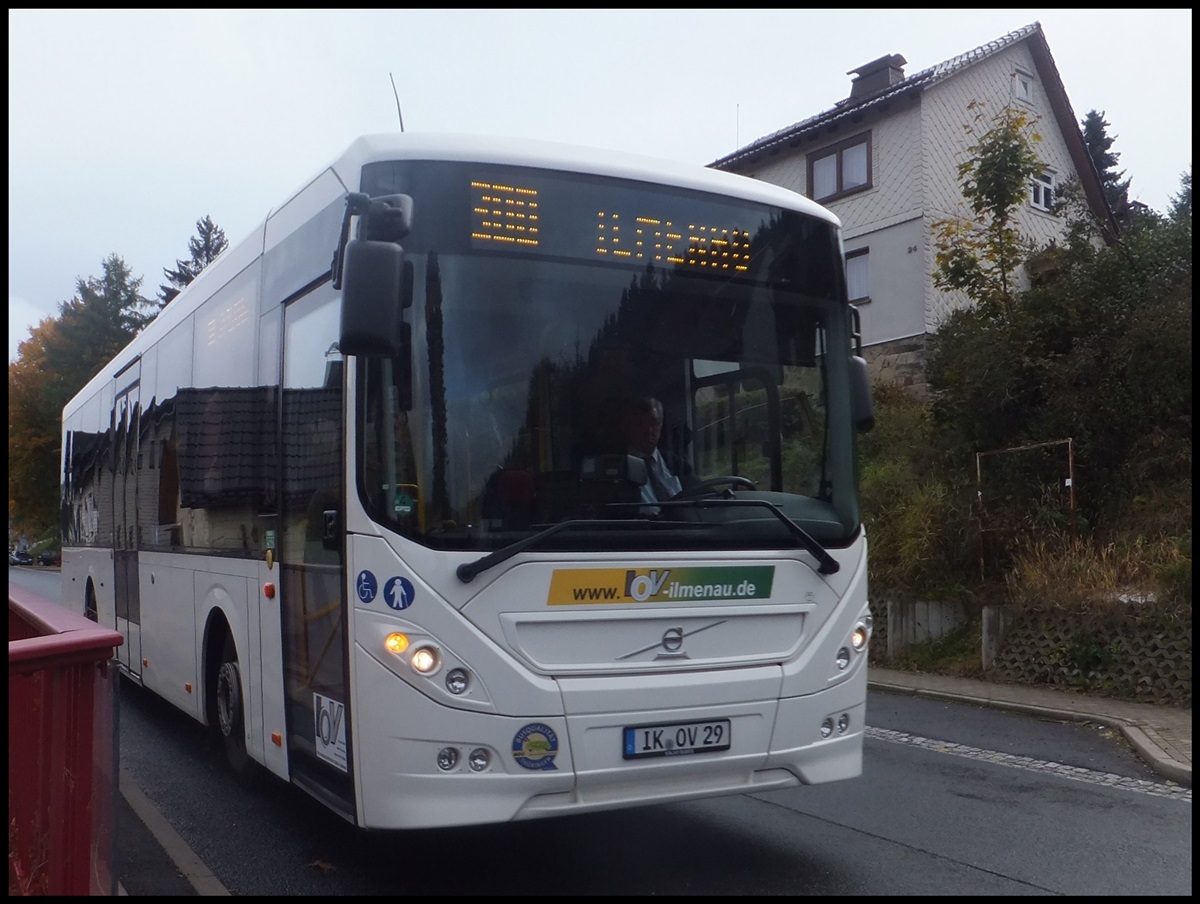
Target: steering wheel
[{"x": 704, "y": 487}]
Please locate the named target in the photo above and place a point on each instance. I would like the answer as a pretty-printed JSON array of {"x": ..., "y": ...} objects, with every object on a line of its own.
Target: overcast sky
[{"x": 126, "y": 127}]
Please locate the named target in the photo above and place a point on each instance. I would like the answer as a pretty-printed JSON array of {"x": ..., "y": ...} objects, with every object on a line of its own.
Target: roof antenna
[{"x": 398, "y": 112}]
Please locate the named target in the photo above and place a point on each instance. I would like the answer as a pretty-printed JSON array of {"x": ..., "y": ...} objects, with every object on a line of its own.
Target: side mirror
[
  {"x": 376, "y": 288},
  {"x": 861, "y": 403},
  {"x": 375, "y": 280}
]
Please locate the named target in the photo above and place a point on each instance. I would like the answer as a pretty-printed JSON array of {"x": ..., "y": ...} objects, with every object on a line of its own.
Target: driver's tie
[{"x": 660, "y": 490}]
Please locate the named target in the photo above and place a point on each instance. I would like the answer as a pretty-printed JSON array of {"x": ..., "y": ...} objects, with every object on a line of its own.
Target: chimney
[{"x": 875, "y": 76}]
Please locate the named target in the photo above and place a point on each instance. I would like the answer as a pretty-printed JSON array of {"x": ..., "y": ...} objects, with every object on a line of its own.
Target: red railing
[{"x": 62, "y": 750}]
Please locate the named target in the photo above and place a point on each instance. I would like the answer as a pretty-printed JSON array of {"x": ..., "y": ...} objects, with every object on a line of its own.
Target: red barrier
[{"x": 62, "y": 749}]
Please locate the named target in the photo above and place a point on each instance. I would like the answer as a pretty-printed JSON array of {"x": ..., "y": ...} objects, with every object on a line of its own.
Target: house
[{"x": 885, "y": 161}]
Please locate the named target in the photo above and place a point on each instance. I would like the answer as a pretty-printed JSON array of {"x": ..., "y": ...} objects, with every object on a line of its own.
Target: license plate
[{"x": 676, "y": 739}]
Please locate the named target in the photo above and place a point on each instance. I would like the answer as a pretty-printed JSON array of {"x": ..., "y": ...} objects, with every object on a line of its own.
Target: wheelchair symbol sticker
[
  {"x": 366, "y": 586},
  {"x": 398, "y": 593}
]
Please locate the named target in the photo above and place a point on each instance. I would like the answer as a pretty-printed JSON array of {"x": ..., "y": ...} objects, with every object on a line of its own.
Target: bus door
[
  {"x": 125, "y": 451},
  {"x": 311, "y": 551}
]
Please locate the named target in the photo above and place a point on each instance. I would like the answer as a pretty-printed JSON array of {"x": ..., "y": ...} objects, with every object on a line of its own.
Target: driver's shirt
[{"x": 660, "y": 475}]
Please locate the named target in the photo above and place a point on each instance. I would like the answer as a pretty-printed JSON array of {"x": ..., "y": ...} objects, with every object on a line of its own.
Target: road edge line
[{"x": 181, "y": 854}]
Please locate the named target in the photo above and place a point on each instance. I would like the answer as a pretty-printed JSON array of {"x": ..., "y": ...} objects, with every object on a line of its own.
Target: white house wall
[
  {"x": 886, "y": 218},
  {"x": 917, "y": 143},
  {"x": 896, "y": 275}
]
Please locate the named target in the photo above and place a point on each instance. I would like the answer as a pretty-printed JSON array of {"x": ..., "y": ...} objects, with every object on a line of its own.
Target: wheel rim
[{"x": 229, "y": 698}]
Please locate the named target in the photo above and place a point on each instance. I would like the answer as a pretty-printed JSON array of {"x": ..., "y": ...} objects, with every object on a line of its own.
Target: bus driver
[{"x": 666, "y": 475}]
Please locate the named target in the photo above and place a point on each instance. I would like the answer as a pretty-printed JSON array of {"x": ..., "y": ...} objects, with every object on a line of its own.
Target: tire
[{"x": 230, "y": 710}]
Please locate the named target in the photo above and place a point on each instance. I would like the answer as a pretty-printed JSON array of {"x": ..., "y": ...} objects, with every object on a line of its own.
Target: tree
[
  {"x": 1181, "y": 203},
  {"x": 33, "y": 434},
  {"x": 1101, "y": 352},
  {"x": 204, "y": 246},
  {"x": 61, "y": 355},
  {"x": 1099, "y": 144},
  {"x": 980, "y": 256}
]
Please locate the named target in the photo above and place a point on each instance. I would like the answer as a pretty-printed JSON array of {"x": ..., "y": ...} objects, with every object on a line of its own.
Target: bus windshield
[{"x": 508, "y": 410}]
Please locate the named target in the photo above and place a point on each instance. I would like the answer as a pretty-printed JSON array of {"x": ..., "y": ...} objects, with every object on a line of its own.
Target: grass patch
[{"x": 959, "y": 654}]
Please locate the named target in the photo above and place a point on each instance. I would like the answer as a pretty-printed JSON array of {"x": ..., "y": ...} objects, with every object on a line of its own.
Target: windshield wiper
[
  {"x": 468, "y": 570},
  {"x": 829, "y": 565}
]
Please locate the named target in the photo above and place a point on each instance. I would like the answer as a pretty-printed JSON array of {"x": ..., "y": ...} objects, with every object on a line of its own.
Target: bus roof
[{"x": 570, "y": 158}]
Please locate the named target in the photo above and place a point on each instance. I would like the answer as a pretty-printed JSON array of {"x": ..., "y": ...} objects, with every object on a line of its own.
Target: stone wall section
[{"x": 1142, "y": 655}]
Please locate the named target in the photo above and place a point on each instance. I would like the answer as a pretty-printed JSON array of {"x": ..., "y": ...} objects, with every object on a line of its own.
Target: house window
[
  {"x": 840, "y": 169},
  {"x": 1022, "y": 87},
  {"x": 1041, "y": 191},
  {"x": 858, "y": 275}
]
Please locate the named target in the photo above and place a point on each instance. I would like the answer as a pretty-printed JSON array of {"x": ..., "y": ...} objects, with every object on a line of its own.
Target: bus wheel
[{"x": 231, "y": 722}]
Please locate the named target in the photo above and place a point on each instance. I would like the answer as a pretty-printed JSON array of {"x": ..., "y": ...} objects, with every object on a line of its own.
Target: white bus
[{"x": 358, "y": 499}]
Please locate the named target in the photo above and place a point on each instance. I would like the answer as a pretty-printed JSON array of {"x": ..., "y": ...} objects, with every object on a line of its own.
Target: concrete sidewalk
[{"x": 1162, "y": 735}]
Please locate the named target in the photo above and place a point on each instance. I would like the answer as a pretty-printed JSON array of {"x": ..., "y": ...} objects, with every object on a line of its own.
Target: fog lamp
[
  {"x": 827, "y": 728},
  {"x": 447, "y": 758},
  {"x": 843, "y": 658},
  {"x": 479, "y": 759},
  {"x": 843, "y": 723},
  {"x": 457, "y": 681}
]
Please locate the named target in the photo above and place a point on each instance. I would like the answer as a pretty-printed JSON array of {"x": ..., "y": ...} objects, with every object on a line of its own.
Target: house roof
[{"x": 789, "y": 138}]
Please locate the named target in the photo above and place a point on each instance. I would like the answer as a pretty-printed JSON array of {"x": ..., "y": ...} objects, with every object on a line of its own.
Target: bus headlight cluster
[
  {"x": 425, "y": 659},
  {"x": 859, "y": 638},
  {"x": 478, "y": 760}
]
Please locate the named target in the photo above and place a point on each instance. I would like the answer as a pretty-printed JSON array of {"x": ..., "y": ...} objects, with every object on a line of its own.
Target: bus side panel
[
  {"x": 267, "y": 692},
  {"x": 81, "y": 565},
  {"x": 237, "y": 594},
  {"x": 168, "y": 632}
]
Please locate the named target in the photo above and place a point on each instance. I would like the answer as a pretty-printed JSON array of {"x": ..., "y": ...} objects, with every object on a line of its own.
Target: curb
[
  {"x": 1154, "y": 755},
  {"x": 199, "y": 875}
]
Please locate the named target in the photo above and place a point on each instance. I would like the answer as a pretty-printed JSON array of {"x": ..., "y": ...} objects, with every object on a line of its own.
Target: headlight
[
  {"x": 425, "y": 660},
  {"x": 859, "y": 638}
]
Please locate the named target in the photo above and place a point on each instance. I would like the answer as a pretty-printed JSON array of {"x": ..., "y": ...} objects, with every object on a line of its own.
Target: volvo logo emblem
[{"x": 672, "y": 640}]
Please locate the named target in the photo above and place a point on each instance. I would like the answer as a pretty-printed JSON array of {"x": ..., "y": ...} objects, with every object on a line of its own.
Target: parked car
[
  {"x": 19, "y": 557},
  {"x": 51, "y": 557}
]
